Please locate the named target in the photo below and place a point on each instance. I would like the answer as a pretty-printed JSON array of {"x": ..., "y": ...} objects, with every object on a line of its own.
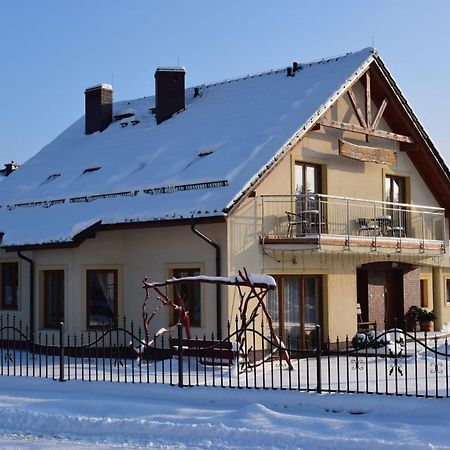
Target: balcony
[{"x": 317, "y": 220}]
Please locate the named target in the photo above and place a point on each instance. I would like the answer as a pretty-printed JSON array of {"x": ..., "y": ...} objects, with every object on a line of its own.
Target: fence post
[
  {"x": 61, "y": 351},
  {"x": 319, "y": 359},
  {"x": 180, "y": 355}
]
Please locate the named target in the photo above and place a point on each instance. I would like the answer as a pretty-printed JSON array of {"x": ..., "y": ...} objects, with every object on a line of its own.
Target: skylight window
[
  {"x": 205, "y": 153},
  {"x": 51, "y": 177},
  {"x": 91, "y": 169}
]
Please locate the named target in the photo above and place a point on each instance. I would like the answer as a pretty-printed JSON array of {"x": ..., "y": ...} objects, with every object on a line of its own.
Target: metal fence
[{"x": 393, "y": 362}]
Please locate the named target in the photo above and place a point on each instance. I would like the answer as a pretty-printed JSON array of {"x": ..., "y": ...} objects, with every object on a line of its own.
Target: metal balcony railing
[{"x": 285, "y": 216}]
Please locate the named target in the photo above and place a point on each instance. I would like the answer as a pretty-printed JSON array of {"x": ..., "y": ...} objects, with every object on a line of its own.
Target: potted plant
[
  {"x": 426, "y": 319},
  {"x": 412, "y": 316}
]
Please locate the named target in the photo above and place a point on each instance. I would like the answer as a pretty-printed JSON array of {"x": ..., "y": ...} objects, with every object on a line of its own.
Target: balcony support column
[{"x": 438, "y": 296}]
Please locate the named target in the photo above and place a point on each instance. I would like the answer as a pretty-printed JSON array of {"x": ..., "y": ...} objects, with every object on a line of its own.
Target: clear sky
[{"x": 51, "y": 50}]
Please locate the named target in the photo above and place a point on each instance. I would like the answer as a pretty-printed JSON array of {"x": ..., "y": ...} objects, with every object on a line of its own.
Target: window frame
[
  {"x": 401, "y": 181},
  {"x": 281, "y": 303},
  {"x": 304, "y": 166},
  {"x": 447, "y": 291},
  {"x": 191, "y": 269},
  {"x": 61, "y": 313},
  {"x": 15, "y": 297},
  {"x": 114, "y": 322}
]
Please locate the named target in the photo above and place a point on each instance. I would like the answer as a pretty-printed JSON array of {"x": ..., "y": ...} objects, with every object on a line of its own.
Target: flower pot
[{"x": 426, "y": 325}]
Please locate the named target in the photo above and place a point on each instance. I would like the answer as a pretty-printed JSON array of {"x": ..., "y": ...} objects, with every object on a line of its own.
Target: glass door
[
  {"x": 307, "y": 184},
  {"x": 297, "y": 302},
  {"x": 396, "y": 216}
]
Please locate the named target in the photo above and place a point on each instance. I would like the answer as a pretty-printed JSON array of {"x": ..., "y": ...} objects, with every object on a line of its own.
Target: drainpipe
[
  {"x": 30, "y": 261},
  {"x": 218, "y": 272}
]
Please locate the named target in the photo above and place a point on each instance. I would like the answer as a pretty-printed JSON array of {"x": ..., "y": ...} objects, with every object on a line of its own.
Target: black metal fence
[{"x": 393, "y": 362}]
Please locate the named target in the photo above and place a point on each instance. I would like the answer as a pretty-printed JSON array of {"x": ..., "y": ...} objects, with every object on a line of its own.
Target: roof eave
[{"x": 97, "y": 227}]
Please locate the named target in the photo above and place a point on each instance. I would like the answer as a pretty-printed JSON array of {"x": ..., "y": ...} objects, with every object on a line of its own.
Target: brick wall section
[
  {"x": 375, "y": 288},
  {"x": 411, "y": 287}
]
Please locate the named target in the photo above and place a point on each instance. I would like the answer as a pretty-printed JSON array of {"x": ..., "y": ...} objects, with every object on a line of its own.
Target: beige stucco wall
[
  {"x": 342, "y": 177},
  {"x": 138, "y": 253},
  {"x": 151, "y": 252}
]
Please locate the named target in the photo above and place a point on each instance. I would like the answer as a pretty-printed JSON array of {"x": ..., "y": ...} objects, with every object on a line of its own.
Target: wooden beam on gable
[
  {"x": 405, "y": 147},
  {"x": 368, "y": 100},
  {"x": 380, "y": 112},
  {"x": 357, "y": 108},
  {"x": 367, "y": 131}
]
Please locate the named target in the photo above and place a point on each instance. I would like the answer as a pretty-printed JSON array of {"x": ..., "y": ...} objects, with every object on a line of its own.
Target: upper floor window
[
  {"x": 190, "y": 293},
  {"x": 307, "y": 178},
  {"x": 395, "y": 191},
  {"x": 9, "y": 282},
  {"x": 101, "y": 297}
]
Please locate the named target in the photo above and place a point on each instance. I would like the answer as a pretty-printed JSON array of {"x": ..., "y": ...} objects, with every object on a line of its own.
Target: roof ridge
[{"x": 279, "y": 69}]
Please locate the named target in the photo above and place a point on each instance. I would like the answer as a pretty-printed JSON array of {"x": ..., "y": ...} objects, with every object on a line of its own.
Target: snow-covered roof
[{"x": 197, "y": 163}]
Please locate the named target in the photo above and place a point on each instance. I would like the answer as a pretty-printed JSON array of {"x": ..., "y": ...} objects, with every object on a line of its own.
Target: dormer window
[
  {"x": 91, "y": 169},
  {"x": 205, "y": 153},
  {"x": 51, "y": 177}
]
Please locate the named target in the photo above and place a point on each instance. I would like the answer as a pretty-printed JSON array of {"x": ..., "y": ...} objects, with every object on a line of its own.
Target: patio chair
[{"x": 294, "y": 220}]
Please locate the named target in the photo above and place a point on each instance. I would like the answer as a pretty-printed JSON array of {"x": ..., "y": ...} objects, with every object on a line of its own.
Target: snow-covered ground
[{"x": 45, "y": 414}]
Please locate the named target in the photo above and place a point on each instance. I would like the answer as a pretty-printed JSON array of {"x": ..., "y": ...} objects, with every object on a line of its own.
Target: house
[{"x": 319, "y": 174}]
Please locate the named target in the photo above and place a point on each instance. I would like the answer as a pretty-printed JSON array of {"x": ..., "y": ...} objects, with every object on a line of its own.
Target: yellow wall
[
  {"x": 150, "y": 252},
  {"x": 343, "y": 177}
]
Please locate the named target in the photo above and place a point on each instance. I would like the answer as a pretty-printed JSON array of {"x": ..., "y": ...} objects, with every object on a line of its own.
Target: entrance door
[
  {"x": 296, "y": 309},
  {"x": 380, "y": 290},
  {"x": 394, "y": 298}
]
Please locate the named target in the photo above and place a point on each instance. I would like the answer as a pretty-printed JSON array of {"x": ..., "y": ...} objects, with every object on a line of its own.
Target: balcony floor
[{"x": 370, "y": 243}]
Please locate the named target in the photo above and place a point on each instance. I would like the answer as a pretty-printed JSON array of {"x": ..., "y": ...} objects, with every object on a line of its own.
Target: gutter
[
  {"x": 218, "y": 274},
  {"x": 31, "y": 262}
]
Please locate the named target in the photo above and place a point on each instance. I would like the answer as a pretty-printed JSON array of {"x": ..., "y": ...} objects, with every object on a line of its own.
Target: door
[
  {"x": 307, "y": 208},
  {"x": 394, "y": 302},
  {"x": 395, "y": 192},
  {"x": 296, "y": 309}
]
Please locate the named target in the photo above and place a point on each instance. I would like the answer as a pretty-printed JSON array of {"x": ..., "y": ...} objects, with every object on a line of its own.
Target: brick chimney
[
  {"x": 169, "y": 92},
  {"x": 9, "y": 168},
  {"x": 98, "y": 108}
]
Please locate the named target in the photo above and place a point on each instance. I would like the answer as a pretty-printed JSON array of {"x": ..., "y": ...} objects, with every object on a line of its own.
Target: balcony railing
[{"x": 310, "y": 215}]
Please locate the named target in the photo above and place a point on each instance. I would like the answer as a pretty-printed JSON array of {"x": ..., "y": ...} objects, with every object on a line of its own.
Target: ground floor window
[
  {"x": 101, "y": 297},
  {"x": 296, "y": 308},
  {"x": 9, "y": 283},
  {"x": 53, "y": 298},
  {"x": 190, "y": 293}
]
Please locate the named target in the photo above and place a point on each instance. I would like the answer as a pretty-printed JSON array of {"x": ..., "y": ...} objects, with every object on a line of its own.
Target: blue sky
[{"x": 51, "y": 50}]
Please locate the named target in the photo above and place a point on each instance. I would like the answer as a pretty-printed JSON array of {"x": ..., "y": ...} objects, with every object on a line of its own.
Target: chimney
[
  {"x": 98, "y": 104},
  {"x": 9, "y": 168},
  {"x": 169, "y": 92}
]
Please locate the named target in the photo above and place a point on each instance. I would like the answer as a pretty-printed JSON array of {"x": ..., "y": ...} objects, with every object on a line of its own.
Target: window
[
  {"x": 53, "y": 298},
  {"x": 424, "y": 293},
  {"x": 9, "y": 285},
  {"x": 295, "y": 308},
  {"x": 101, "y": 297},
  {"x": 395, "y": 190},
  {"x": 447, "y": 290},
  {"x": 190, "y": 293},
  {"x": 307, "y": 178}
]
